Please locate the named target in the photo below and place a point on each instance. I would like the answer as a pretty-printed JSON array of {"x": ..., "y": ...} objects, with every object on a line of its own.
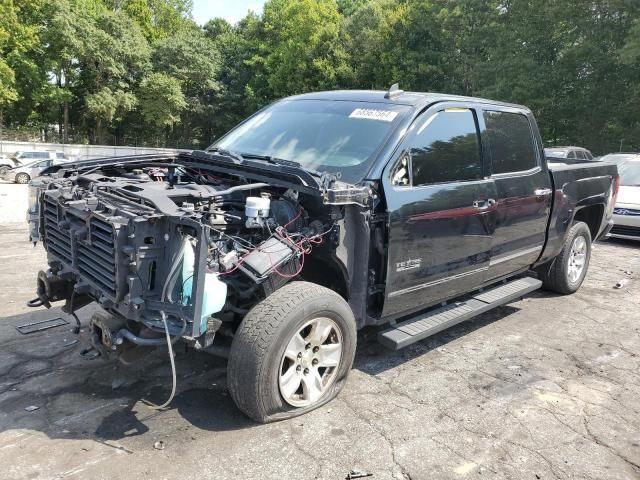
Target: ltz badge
[{"x": 408, "y": 265}]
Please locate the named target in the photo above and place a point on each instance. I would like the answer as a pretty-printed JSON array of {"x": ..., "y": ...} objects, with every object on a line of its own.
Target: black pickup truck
[{"x": 319, "y": 215}]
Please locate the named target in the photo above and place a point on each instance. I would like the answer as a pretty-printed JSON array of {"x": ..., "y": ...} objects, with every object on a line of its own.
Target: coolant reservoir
[
  {"x": 213, "y": 298},
  {"x": 257, "y": 207}
]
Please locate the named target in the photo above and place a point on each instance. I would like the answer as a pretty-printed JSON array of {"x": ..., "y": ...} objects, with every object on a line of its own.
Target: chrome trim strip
[
  {"x": 520, "y": 253},
  {"x": 436, "y": 282}
]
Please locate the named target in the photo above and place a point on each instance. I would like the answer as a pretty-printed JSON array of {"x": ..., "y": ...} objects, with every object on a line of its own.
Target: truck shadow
[
  {"x": 98, "y": 399},
  {"x": 372, "y": 358},
  {"x": 46, "y": 386}
]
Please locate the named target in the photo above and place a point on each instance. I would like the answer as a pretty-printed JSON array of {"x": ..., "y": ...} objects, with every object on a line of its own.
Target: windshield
[
  {"x": 328, "y": 136},
  {"x": 555, "y": 153},
  {"x": 629, "y": 173}
]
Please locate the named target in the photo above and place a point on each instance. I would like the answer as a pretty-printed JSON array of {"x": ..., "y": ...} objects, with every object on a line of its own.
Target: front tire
[
  {"x": 291, "y": 353},
  {"x": 567, "y": 271},
  {"x": 22, "y": 178}
]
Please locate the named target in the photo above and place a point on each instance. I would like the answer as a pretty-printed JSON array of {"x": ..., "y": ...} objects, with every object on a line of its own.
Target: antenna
[{"x": 393, "y": 91}]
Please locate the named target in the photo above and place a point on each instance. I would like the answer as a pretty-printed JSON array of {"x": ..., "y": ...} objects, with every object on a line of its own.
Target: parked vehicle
[
  {"x": 27, "y": 156},
  {"x": 568, "y": 155},
  {"x": 626, "y": 214},
  {"x": 319, "y": 215},
  {"x": 7, "y": 162},
  {"x": 23, "y": 157},
  {"x": 25, "y": 173}
]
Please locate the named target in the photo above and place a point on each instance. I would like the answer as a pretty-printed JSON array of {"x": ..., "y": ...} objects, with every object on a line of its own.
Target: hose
[
  {"x": 172, "y": 271},
  {"x": 163, "y": 296},
  {"x": 173, "y": 365}
]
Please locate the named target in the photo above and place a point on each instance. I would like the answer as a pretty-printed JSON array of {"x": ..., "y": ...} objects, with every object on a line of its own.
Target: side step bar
[{"x": 434, "y": 321}]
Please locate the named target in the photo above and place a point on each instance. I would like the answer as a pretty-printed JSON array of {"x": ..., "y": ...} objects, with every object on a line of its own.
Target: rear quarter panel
[{"x": 576, "y": 187}]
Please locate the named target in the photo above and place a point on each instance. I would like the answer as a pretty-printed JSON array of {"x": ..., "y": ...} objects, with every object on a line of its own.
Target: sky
[{"x": 232, "y": 10}]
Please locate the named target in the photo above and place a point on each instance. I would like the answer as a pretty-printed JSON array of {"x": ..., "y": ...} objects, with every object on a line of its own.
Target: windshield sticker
[{"x": 371, "y": 114}]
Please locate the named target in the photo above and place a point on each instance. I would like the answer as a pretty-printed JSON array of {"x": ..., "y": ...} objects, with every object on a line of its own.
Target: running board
[{"x": 434, "y": 321}]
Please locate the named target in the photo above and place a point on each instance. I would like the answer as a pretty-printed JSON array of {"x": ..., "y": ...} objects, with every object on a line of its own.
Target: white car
[
  {"x": 7, "y": 162},
  {"x": 626, "y": 214},
  {"x": 25, "y": 173}
]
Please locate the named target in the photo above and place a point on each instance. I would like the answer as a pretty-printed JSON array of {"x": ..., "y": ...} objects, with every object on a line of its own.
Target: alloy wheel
[{"x": 310, "y": 362}]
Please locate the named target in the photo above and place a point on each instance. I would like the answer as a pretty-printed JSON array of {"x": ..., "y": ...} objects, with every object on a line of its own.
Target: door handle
[
  {"x": 484, "y": 204},
  {"x": 542, "y": 192}
]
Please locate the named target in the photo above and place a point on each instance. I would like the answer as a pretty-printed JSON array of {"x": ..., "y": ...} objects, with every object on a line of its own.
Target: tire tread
[{"x": 255, "y": 336}]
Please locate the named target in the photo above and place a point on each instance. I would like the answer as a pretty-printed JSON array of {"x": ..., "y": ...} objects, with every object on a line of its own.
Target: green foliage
[
  {"x": 216, "y": 27},
  {"x": 631, "y": 50},
  {"x": 161, "y": 100},
  {"x": 302, "y": 47},
  {"x": 109, "y": 105},
  {"x": 19, "y": 47},
  {"x": 156, "y": 18},
  {"x": 116, "y": 70}
]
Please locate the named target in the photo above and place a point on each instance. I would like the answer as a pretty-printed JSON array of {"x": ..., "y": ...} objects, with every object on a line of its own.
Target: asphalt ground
[{"x": 544, "y": 388}]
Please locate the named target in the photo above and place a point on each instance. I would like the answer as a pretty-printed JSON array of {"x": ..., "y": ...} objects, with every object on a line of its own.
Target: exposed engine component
[
  {"x": 170, "y": 248},
  {"x": 257, "y": 211}
]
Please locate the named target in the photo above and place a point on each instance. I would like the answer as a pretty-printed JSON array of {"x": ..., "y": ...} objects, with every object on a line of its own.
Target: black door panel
[
  {"x": 439, "y": 244},
  {"x": 523, "y": 191},
  {"x": 441, "y": 212}
]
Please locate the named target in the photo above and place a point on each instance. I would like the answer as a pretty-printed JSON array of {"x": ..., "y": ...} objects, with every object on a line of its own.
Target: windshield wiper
[
  {"x": 270, "y": 159},
  {"x": 281, "y": 161},
  {"x": 226, "y": 153}
]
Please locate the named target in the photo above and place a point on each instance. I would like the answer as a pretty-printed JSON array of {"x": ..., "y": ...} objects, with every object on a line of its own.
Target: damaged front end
[{"x": 181, "y": 247}]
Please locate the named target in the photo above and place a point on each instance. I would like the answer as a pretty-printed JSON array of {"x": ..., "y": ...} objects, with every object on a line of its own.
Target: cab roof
[
  {"x": 413, "y": 99},
  {"x": 566, "y": 148}
]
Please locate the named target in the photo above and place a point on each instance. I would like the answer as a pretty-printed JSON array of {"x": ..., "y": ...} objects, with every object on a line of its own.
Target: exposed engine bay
[{"x": 176, "y": 245}]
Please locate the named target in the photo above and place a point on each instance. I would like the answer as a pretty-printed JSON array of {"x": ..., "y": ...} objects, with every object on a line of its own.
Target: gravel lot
[{"x": 545, "y": 388}]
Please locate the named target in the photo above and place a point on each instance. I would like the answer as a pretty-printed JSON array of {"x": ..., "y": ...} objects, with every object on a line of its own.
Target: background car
[
  {"x": 567, "y": 153},
  {"x": 626, "y": 214},
  {"x": 7, "y": 162},
  {"x": 27, "y": 156},
  {"x": 25, "y": 173}
]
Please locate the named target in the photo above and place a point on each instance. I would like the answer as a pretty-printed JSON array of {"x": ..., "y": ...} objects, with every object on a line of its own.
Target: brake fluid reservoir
[{"x": 257, "y": 207}]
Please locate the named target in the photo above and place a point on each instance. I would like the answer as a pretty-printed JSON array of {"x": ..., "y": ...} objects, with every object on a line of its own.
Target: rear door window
[
  {"x": 445, "y": 148},
  {"x": 511, "y": 142}
]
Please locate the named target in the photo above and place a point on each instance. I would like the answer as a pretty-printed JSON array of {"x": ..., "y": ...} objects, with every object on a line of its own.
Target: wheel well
[
  {"x": 325, "y": 273},
  {"x": 592, "y": 216}
]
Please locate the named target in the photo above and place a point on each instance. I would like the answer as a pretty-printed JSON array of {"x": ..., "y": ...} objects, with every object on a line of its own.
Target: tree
[
  {"x": 108, "y": 105},
  {"x": 302, "y": 48},
  {"x": 216, "y": 27},
  {"x": 192, "y": 59},
  {"x": 21, "y": 76},
  {"x": 8, "y": 26},
  {"x": 63, "y": 47},
  {"x": 114, "y": 57},
  {"x": 373, "y": 32},
  {"x": 161, "y": 100},
  {"x": 157, "y": 18},
  {"x": 349, "y": 7},
  {"x": 563, "y": 61}
]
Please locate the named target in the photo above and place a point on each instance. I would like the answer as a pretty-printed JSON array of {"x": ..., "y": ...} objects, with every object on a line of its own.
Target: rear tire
[
  {"x": 565, "y": 273},
  {"x": 276, "y": 365},
  {"x": 22, "y": 178}
]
